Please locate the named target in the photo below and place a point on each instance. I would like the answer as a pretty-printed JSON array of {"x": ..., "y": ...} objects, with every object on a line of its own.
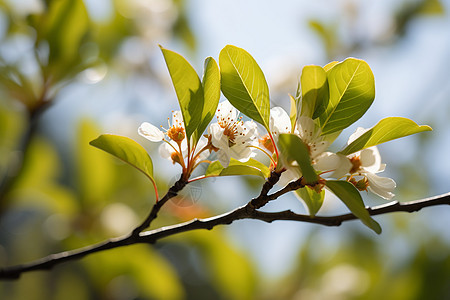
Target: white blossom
[
  {"x": 365, "y": 163},
  {"x": 232, "y": 136}
]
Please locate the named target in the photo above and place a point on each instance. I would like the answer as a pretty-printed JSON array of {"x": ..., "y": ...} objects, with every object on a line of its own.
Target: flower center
[
  {"x": 176, "y": 133},
  {"x": 230, "y": 129},
  {"x": 266, "y": 142},
  {"x": 356, "y": 164},
  {"x": 361, "y": 185}
]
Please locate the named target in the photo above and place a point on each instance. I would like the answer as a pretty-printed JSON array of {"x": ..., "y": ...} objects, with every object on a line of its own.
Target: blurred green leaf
[
  {"x": 64, "y": 26},
  {"x": 251, "y": 167},
  {"x": 95, "y": 172},
  {"x": 38, "y": 184},
  {"x": 351, "y": 197},
  {"x": 211, "y": 90},
  {"x": 140, "y": 266},
  {"x": 126, "y": 150},
  {"x": 352, "y": 91},
  {"x": 231, "y": 270},
  {"x": 314, "y": 87},
  {"x": 244, "y": 85},
  {"x": 311, "y": 198},
  {"x": 293, "y": 148},
  {"x": 385, "y": 130},
  {"x": 188, "y": 88}
]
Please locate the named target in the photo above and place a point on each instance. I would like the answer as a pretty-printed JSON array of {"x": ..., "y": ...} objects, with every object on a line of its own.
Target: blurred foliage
[
  {"x": 358, "y": 268},
  {"x": 53, "y": 200},
  {"x": 342, "y": 36}
]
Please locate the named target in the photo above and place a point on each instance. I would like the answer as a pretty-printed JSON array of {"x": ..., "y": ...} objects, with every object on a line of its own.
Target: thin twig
[{"x": 173, "y": 191}]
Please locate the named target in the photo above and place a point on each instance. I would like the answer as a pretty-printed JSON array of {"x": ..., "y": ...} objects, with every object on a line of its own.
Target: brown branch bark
[{"x": 248, "y": 211}]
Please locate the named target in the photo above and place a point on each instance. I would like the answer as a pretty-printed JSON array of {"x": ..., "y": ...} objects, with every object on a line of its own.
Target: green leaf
[
  {"x": 293, "y": 148},
  {"x": 352, "y": 91},
  {"x": 352, "y": 199},
  {"x": 244, "y": 85},
  {"x": 311, "y": 198},
  {"x": 96, "y": 173},
  {"x": 386, "y": 130},
  {"x": 63, "y": 27},
  {"x": 127, "y": 150},
  {"x": 251, "y": 167},
  {"x": 211, "y": 89},
  {"x": 188, "y": 88},
  {"x": 293, "y": 111},
  {"x": 330, "y": 65},
  {"x": 314, "y": 87}
]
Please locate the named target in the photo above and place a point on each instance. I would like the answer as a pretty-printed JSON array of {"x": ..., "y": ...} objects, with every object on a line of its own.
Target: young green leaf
[
  {"x": 244, "y": 85},
  {"x": 251, "y": 167},
  {"x": 352, "y": 199},
  {"x": 293, "y": 111},
  {"x": 293, "y": 148},
  {"x": 127, "y": 150},
  {"x": 311, "y": 198},
  {"x": 188, "y": 88},
  {"x": 211, "y": 90},
  {"x": 352, "y": 91},
  {"x": 330, "y": 65},
  {"x": 386, "y": 130},
  {"x": 314, "y": 87}
]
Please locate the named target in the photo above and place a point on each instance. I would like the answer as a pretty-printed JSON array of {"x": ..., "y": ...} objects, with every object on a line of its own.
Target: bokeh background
[{"x": 73, "y": 69}]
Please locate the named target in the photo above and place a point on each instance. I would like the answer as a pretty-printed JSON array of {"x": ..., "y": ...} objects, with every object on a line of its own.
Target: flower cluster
[
  {"x": 231, "y": 137},
  {"x": 359, "y": 168}
]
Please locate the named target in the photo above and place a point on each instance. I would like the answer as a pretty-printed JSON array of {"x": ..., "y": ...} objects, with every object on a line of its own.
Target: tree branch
[{"x": 248, "y": 211}]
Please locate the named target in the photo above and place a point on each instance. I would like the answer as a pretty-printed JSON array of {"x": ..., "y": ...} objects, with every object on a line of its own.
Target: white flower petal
[
  {"x": 279, "y": 121},
  {"x": 291, "y": 174},
  {"x": 370, "y": 159},
  {"x": 318, "y": 148},
  {"x": 177, "y": 118},
  {"x": 165, "y": 150},
  {"x": 327, "y": 161},
  {"x": 306, "y": 129},
  {"x": 381, "y": 186},
  {"x": 358, "y": 132},
  {"x": 151, "y": 132},
  {"x": 343, "y": 168},
  {"x": 223, "y": 155},
  {"x": 226, "y": 112},
  {"x": 200, "y": 145}
]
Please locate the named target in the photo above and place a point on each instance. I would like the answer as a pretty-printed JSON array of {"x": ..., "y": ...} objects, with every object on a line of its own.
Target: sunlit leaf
[
  {"x": 94, "y": 169},
  {"x": 314, "y": 87},
  {"x": 351, "y": 197},
  {"x": 293, "y": 111},
  {"x": 311, "y": 198},
  {"x": 330, "y": 65},
  {"x": 352, "y": 91},
  {"x": 294, "y": 149},
  {"x": 211, "y": 90},
  {"x": 188, "y": 88},
  {"x": 386, "y": 130},
  {"x": 127, "y": 150},
  {"x": 244, "y": 85},
  {"x": 251, "y": 167}
]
